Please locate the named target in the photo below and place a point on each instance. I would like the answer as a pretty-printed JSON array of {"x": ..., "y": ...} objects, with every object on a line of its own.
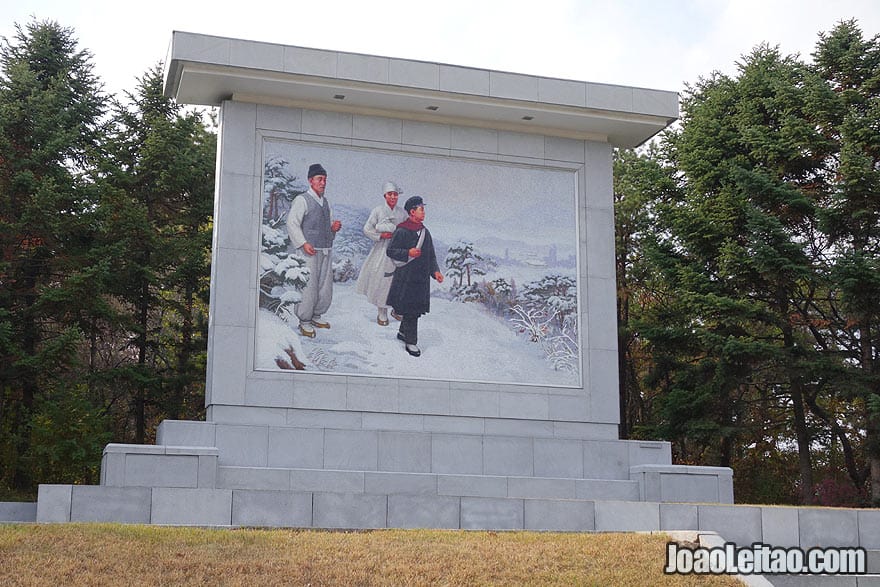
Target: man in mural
[
  {"x": 374, "y": 280},
  {"x": 412, "y": 251},
  {"x": 312, "y": 231}
]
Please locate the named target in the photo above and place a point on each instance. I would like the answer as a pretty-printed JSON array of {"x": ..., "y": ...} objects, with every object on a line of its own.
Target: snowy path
[{"x": 458, "y": 342}]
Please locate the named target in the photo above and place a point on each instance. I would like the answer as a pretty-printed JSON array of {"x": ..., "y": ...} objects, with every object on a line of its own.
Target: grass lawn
[{"x": 116, "y": 554}]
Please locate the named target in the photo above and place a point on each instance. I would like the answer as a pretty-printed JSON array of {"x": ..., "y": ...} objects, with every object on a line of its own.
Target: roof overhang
[{"x": 207, "y": 70}]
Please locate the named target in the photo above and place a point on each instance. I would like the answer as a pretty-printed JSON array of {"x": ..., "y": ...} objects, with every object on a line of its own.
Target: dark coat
[{"x": 410, "y": 292}]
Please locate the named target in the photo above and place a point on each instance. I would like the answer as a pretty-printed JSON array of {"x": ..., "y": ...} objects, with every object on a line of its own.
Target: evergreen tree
[
  {"x": 847, "y": 114},
  {"x": 51, "y": 275},
  {"x": 160, "y": 187}
]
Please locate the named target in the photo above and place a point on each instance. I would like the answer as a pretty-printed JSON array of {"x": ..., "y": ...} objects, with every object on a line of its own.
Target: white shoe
[
  {"x": 306, "y": 330},
  {"x": 413, "y": 350}
]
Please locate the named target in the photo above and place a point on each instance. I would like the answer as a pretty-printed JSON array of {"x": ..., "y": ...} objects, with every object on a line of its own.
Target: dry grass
[{"x": 112, "y": 554}]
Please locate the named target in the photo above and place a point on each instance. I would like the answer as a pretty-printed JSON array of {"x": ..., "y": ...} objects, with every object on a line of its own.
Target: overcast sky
[{"x": 645, "y": 43}]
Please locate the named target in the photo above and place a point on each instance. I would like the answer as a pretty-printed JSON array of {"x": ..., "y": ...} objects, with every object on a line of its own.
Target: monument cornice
[{"x": 206, "y": 70}]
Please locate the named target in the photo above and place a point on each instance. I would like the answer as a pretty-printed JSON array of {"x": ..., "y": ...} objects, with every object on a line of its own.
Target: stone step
[
  {"x": 401, "y": 483},
  {"x": 17, "y": 511},
  {"x": 302, "y": 509},
  {"x": 416, "y": 451}
]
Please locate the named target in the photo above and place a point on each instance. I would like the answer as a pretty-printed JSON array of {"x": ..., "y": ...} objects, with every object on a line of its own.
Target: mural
[{"x": 505, "y": 238}]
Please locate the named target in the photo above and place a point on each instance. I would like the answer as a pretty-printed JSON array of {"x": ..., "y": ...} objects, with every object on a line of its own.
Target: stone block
[
  {"x": 828, "y": 527},
  {"x": 191, "y": 507},
  {"x": 457, "y": 454},
  {"x": 869, "y": 529},
  {"x": 372, "y": 398},
  {"x": 486, "y": 513},
  {"x": 464, "y": 80},
  {"x": 113, "y": 469},
  {"x": 256, "y": 55},
  {"x": 161, "y": 470},
  {"x": 53, "y": 503},
  {"x": 380, "y": 483},
  {"x": 558, "y": 91},
  {"x": 508, "y": 456},
  {"x": 679, "y": 516},
  {"x": 14, "y": 511},
  {"x": 226, "y": 374},
  {"x": 415, "y": 74},
  {"x": 740, "y": 524},
  {"x": 524, "y": 406},
  {"x": 126, "y": 505},
  {"x": 606, "y": 460},
  {"x": 779, "y": 526},
  {"x": 520, "y": 145},
  {"x": 405, "y": 451},
  {"x": 422, "y": 511},
  {"x": 558, "y": 458},
  {"x": 454, "y": 425},
  {"x": 376, "y": 128},
  {"x": 278, "y": 118},
  {"x": 350, "y": 510},
  {"x": 328, "y": 124},
  {"x": 426, "y": 134},
  {"x": 310, "y": 61},
  {"x": 253, "y": 478},
  {"x": 513, "y": 85},
  {"x": 367, "y": 68},
  {"x": 472, "y": 485},
  {"x": 609, "y": 97},
  {"x": 238, "y": 140},
  {"x": 243, "y": 446},
  {"x": 560, "y": 515},
  {"x": 393, "y": 422},
  {"x": 303, "y": 418},
  {"x": 238, "y": 229},
  {"x": 185, "y": 433},
  {"x": 573, "y": 408},
  {"x": 530, "y": 487},
  {"x": 355, "y": 450},
  {"x": 296, "y": 447},
  {"x": 271, "y": 509},
  {"x": 627, "y": 516},
  {"x": 327, "y": 481},
  {"x": 606, "y": 489},
  {"x": 423, "y": 399},
  {"x": 478, "y": 140}
]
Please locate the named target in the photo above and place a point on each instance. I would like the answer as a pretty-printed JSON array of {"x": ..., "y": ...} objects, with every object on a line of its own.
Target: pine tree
[
  {"x": 160, "y": 187},
  {"x": 51, "y": 277}
]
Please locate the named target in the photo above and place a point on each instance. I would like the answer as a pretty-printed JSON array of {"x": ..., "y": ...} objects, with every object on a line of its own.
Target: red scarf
[{"x": 411, "y": 224}]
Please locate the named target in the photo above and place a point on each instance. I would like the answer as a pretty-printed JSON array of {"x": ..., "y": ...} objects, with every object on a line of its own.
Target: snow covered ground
[{"x": 459, "y": 342}]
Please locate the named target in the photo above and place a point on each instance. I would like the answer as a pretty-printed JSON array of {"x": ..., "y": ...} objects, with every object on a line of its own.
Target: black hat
[
  {"x": 413, "y": 202},
  {"x": 316, "y": 169}
]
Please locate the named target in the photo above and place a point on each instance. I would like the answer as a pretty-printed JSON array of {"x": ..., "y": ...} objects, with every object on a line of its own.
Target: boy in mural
[
  {"x": 312, "y": 231},
  {"x": 412, "y": 251},
  {"x": 374, "y": 280}
]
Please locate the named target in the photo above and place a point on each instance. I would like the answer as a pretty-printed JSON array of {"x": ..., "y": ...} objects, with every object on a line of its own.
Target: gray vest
[{"x": 316, "y": 223}]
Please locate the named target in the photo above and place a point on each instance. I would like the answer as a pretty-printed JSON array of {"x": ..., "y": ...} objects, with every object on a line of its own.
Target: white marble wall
[{"x": 232, "y": 381}]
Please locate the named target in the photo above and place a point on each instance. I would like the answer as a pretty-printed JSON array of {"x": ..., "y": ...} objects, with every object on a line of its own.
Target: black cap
[
  {"x": 413, "y": 202},
  {"x": 316, "y": 169}
]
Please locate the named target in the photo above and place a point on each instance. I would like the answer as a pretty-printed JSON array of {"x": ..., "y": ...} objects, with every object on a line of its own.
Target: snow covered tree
[
  {"x": 283, "y": 274},
  {"x": 280, "y": 187},
  {"x": 556, "y": 293},
  {"x": 463, "y": 262}
]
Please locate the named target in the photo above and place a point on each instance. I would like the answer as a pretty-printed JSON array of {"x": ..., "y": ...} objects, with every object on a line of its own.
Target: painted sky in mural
[{"x": 517, "y": 320}]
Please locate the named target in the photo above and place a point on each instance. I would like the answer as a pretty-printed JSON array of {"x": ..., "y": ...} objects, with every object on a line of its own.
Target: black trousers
[{"x": 409, "y": 328}]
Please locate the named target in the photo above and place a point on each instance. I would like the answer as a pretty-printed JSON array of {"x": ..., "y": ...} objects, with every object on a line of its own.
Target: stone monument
[{"x": 509, "y": 418}]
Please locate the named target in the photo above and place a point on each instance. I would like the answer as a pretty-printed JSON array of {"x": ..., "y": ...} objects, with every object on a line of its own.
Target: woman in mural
[{"x": 374, "y": 280}]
